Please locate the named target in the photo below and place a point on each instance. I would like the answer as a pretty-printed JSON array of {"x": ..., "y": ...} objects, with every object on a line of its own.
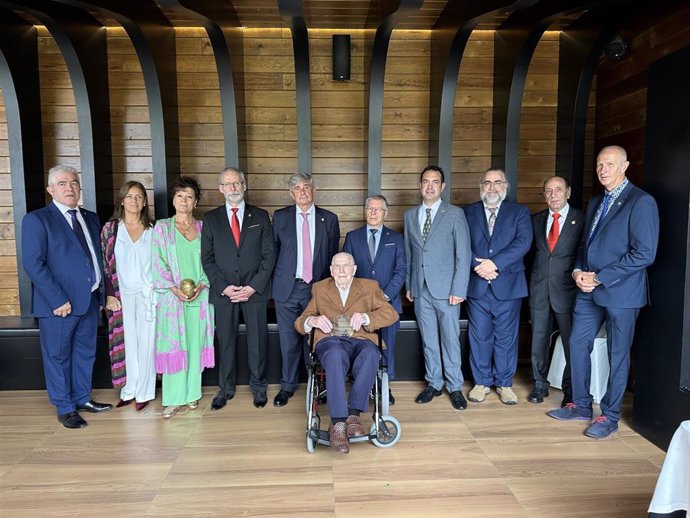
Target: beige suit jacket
[{"x": 365, "y": 297}]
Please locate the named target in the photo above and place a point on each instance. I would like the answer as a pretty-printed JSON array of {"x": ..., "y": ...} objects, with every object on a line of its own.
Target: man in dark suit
[
  {"x": 379, "y": 252},
  {"x": 438, "y": 251},
  {"x": 363, "y": 303},
  {"x": 501, "y": 235},
  {"x": 62, "y": 257},
  {"x": 552, "y": 291},
  {"x": 306, "y": 238},
  {"x": 238, "y": 256},
  {"x": 619, "y": 242}
]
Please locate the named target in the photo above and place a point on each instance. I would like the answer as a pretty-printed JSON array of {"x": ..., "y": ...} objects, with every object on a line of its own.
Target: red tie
[
  {"x": 552, "y": 238},
  {"x": 236, "y": 226}
]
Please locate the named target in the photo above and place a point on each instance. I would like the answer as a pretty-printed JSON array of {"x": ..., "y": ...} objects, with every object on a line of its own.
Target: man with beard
[
  {"x": 237, "y": 254},
  {"x": 501, "y": 234}
]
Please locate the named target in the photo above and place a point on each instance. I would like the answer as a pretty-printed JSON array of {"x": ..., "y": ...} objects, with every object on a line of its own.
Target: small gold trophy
[
  {"x": 187, "y": 286},
  {"x": 341, "y": 326}
]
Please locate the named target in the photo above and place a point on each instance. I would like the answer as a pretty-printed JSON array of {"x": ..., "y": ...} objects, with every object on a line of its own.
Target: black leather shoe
[
  {"x": 426, "y": 395},
  {"x": 537, "y": 395},
  {"x": 282, "y": 397},
  {"x": 391, "y": 399},
  {"x": 94, "y": 408},
  {"x": 260, "y": 399},
  {"x": 458, "y": 400},
  {"x": 72, "y": 420},
  {"x": 221, "y": 400}
]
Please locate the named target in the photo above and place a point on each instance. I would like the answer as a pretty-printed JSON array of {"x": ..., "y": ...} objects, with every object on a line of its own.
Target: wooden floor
[{"x": 488, "y": 461}]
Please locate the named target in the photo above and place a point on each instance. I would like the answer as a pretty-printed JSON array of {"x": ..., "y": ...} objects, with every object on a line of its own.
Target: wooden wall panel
[
  {"x": 9, "y": 287},
  {"x": 622, "y": 86}
]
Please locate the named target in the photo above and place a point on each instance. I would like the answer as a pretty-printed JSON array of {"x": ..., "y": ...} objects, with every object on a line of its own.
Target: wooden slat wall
[
  {"x": 339, "y": 119},
  {"x": 622, "y": 86}
]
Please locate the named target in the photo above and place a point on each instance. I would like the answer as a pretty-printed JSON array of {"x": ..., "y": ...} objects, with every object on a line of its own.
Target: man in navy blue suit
[
  {"x": 62, "y": 257},
  {"x": 618, "y": 244},
  {"x": 379, "y": 254},
  {"x": 501, "y": 235},
  {"x": 306, "y": 238}
]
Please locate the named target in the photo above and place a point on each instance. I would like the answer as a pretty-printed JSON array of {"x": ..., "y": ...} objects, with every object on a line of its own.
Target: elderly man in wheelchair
[{"x": 345, "y": 313}]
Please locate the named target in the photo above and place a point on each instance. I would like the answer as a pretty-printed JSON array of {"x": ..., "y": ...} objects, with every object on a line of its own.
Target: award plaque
[
  {"x": 341, "y": 326},
  {"x": 187, "y": 286}
]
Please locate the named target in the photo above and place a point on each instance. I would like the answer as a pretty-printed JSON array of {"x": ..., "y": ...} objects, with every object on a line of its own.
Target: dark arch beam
[
  {"x": 377, "y": 75},
  {"x": 224, "y": 31},
  {"x": 82, "y": 43},
  {"x": 153, "y": 38},
  {"x": 448, "y": 42},
  {"x": 22, "y": 97},
  {"x": 291, "y": 12}
]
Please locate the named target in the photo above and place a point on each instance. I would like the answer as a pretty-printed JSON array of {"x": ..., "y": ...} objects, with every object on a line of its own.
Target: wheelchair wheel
[
  {"x": 384, "y": 393},
  {"x": 388, "y": 433},
  {"x": 314, "y": 428},
  {"x": 310, "y": 389}
]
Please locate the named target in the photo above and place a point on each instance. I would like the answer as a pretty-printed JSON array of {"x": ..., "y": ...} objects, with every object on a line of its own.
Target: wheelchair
[{"x": 385, "y": 429}]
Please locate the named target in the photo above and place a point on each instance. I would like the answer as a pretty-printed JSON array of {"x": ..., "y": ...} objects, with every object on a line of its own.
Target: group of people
[{"x": 172, "y": 285}]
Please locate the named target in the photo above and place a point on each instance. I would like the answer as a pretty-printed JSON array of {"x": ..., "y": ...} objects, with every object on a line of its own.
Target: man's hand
[
  {"x": 63, "y": 310},
  {"x": 409, "y": 296},
  {"x": 454, "y": 301},
  {"x": 486, "y": 269},
  {"x": 112, "y": 304},
  {"x": 197, "y": 291},
  {"x": 242, "y": 294},
  {"x": 585, "y": 281},
  {"x": 320, "y": 322},
  {"x": 357, "y": 320}
]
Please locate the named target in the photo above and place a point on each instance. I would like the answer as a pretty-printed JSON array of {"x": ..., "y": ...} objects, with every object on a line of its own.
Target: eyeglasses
[
  {"x": 305, "y": 188},
  {"x": 235, "y": 185},
  {"x": 342, "y": 267},
  {"x": 496, "y": 184},
  {"x": 375, "y": 210}
]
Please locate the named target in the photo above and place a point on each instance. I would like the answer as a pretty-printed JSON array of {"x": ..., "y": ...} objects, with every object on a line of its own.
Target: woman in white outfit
[{"x": 126, "y": 240}]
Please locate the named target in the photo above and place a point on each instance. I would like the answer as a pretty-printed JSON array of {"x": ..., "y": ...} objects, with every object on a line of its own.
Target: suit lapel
[
  {"x": 352, "y": 296},
  {"x": 66, "y": 228},
  {"x": 319, "y": 232},
  {"x": 334, "y": 295},
  {"x": 567, "y": 229},
  {"x": 481, "y": 217},
  {"x": 614, "y": 208},
  {"x": 246, "y": 222},
  {"x": 385, "y": 235},
  {"x": 440, "y": 214},
  {"x": 540, "y": 237}
]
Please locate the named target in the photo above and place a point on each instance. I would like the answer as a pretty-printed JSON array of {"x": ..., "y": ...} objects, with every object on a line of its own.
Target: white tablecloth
[
  {"x": 600, "y": 366},
  {"x": 672, "y": 491}
]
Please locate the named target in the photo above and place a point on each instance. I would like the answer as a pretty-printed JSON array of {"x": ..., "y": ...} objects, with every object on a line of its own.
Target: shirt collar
[
  {"x": 310, "y": 210},
  {"x": 433, "y": 207},
  {"x": 64, "y": 208},
  {"x": 240, "y": 207},
  {"x": 563, "y": 212},
  {"x": 616, "y": 192}
]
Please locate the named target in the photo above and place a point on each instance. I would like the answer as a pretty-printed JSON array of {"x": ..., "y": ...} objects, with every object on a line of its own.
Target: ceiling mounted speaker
[
  {"x": 341, "y": 57},
  {"x": 617, "y": 48}
]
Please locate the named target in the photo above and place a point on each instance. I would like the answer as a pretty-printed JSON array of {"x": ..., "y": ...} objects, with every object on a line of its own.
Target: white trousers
[{"x": 139, "y": 347}]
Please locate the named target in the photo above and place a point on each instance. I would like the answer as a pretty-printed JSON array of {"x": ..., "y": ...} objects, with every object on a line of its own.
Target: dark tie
[
  {"x": 552, "y": 238},
  {"x": 76, "y": 226},
  {"x": 235, "y": 226},
  {"x": 604, "y": 211},
  {"x": 607, "y": 202},
  {"x": 372, "y": 243},
  {"x": 492, "y": 219},
  {"x": 427, "y": 225}
]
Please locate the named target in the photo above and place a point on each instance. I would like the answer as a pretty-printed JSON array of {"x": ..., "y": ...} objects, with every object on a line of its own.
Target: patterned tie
[
  {"x": 599, "y": 216},
  {"x": 492, "y": 219},
  {"x": 552, "y": 238},
  {"x": 372, "y": 243},
  {"x": 235, "y": 226},
  {"x": 427, "y": 225},
  {"x": 306, "y": 249},
  {"x": 76, "y": 226}
]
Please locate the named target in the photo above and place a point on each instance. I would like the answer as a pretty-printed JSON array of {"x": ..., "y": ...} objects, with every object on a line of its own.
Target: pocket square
[
  {"x": 253, "y": 226},
  {"x": 389, "y": 244}
]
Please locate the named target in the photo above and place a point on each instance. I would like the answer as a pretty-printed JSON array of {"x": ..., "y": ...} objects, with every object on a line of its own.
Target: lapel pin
[
  {"x": 322, "y": 219},
  {"x": 573, "y": 222}
]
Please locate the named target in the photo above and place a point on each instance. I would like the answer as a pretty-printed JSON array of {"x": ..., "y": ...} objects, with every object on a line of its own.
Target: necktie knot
[
  {"x": 373, "y": 231},
  {"x": 556, "y": 215},
  {"x": 235, "y": 209}
]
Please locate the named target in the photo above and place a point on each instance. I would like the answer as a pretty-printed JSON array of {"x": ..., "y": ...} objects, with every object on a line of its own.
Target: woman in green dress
[{"x": 184, "y": 325}]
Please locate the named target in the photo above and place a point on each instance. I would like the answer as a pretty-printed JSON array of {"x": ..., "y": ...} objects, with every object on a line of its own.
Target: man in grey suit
[
  {"x": 437, "y": 247},
  {"x": 557, "y": 231}
]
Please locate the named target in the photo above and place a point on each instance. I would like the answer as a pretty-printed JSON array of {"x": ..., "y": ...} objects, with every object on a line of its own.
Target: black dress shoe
[
  {"x": 72, "y": 420},
  {"x": 391, "y": 399},
  {"x": 94, "y": 407},
  {"x": 282, "y": 397},
  {"x": 221, "y": 400},
  {"x": 458, "y": 400},
  {"x": 260, "y": 399},
  {"x": 426, "y": 395},
  {"x": 537, "y": 395}
]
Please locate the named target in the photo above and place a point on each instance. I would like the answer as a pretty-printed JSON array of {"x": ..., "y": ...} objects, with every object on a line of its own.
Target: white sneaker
[
  {"x": 478, "y": 393},
  {"x": 507, "y": 395}
]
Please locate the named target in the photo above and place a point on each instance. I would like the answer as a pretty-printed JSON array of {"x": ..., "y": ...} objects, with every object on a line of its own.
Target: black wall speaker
[
  {"x": 617, "y": 48},
  {"x": 341, "y": 57}
]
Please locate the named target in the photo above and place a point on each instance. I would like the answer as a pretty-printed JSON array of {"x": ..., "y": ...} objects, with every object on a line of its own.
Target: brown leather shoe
[
  {"x": 354, "y": 426},
  {"x": 337, "y": 435}
]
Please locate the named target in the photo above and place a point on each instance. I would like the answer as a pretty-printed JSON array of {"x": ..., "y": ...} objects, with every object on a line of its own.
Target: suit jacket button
[
  {"x": 491, "y": 251},
  {"x": 373, "y": 272}
]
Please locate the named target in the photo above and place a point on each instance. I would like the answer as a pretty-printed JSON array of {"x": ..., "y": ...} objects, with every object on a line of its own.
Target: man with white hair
[
  {"x": 501, "y": 235},
  {"x": 62, "y": 257}
]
